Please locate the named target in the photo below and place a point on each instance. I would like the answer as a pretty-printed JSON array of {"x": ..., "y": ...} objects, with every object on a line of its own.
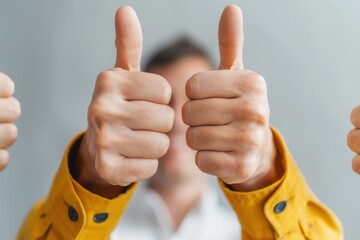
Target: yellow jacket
[{"x": 286, "y": 210}]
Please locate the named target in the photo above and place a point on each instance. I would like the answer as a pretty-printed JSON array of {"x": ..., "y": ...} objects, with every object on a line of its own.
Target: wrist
[
  {"x": 269, "y": 171},
  {"x": 82, "y": 169}
]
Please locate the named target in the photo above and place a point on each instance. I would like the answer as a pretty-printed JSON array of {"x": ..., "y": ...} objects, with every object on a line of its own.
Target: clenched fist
[
  {"x": 354, "y": 139},
  {"x": 128, "y": 116},
  {"x": 9, "y": 112},
  {"x": 228, "y": 114}
]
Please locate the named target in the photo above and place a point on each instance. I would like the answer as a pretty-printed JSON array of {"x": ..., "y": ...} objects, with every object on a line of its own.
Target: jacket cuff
[
  {"x": 281, "y": 209},
  {"x": 79, "y": 213}
]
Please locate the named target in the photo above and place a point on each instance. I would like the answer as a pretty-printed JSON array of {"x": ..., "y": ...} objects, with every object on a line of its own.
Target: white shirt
[{"x": 147, "y": 218}]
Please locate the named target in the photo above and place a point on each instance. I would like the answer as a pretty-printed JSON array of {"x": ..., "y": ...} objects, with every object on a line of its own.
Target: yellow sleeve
[
  {"x": 286, "y": 209},
  {"x": 72, "y": 212}
]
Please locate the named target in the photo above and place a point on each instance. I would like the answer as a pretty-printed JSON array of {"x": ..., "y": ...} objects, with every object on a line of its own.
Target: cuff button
[
  {"x": 73, "y": 215},
  {"x": 100, "y": 217},
  {"x": 280, "y": 207}
]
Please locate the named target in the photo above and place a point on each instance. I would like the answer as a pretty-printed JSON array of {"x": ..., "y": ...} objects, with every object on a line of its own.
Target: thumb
[
  {"x": 128, "y": 39},
  {"x": 231, "y": 38}
]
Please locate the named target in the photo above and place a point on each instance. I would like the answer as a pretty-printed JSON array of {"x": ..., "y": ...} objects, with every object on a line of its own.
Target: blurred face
[{"x": 179, "y": 162}]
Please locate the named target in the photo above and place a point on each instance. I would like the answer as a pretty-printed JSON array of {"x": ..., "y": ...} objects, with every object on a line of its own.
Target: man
[
  {"x": 9, "y": 112},
  {"x": 228, "y": 118},
  {"x": 354, "y": 138},
  {"x": 179, "y": 195}
]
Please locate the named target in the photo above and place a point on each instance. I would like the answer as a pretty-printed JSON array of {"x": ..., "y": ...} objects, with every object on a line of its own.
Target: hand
[
  {"x": 9, "y": 112},
  {"x": 228, "y": 115},
  {"x": 127, "y": 118},
  {"x": 353, "y": 139}
]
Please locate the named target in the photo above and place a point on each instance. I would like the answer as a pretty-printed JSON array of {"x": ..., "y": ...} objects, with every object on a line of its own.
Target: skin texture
[
  {"x": 127, "y": 117},
  {"x": 353, "y": 139},
  {"x": 178, "y": 180},
  {"x": 227, "y": 113},
  {"x": 9, "y": 112}
]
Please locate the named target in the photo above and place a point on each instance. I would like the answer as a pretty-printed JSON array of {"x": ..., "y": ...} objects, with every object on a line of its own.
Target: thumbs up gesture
[
  {"x": 128, "y": 116},
  {"x": 354, "y": 139},
  {"x": 228, "y": 115},
  {"x": 9, "y": 112}
]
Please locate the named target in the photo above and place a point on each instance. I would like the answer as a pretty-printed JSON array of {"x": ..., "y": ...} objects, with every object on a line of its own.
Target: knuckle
[
  {"x": 10, "y": 109},
  {"x": 7, "y": 86},
  {"x": 105, "y": 81},
  {"x": 192, "y": 86},
  {"x": 9, "y": 134},
  {"x": 356, "y": 164},
  {"x": 185, "y": 112},
  {"x": 353, "y": 139},
  {"x": 250, "y": 139},
  {"x": 259, "y": 83},
  {"x": 159, "y": 147},
  {"x": 95, "y": 113},
  {"x": 255, "y": 112},
  {"x": 254, "y": 82},
  {"x": 142, "y": 171},
  {"x": 16, "y": 108},
  {"x": 12, "y": 132},
  {"x": 166, "y": 90},
  {"x": 262, "y": 115},
  {"x": 244, "y": 168},
  {"x": 4, "y": 159},
  {"x": 256, "y": 137},
  {"x": 191, "y": 138},
  {"x": 201, "y": 162},
  {"x": 229, "y": 180},
  {"x": 105, "y": 109},
  {"x": 108, "y": 169},
  {"x": 103, "y": 77},
  {"x": 169, "y": 118},
  {"x": 355, "y": 116},
  {"x": 4, "y": 154}
]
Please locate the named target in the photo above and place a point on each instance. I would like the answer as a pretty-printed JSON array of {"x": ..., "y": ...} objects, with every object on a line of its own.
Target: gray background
[{"x": 307, "y": 50}]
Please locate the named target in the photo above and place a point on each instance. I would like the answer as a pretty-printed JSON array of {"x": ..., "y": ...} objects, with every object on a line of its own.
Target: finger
[
  {"x": 144, "y": 144},
  {"x": 226, "y": 166},
  {"x": 140, "y": 86},
  {"x": 128, "y": 39},
  {"x": 7, "y": 86},
  {"x": 9, "y": 110},
  {"x": 212, "y": 111},
  {"x": 356, "y": 164},
  {"x": 353, "y": 140},
  {"x": 233, "y": 84},
  {"x": 141, "y": 115},
  {"x": 231, "y": 38},
  {"x": 4, "y": 159},
  {"x": 220, "y": 111},
  {"x": 8, "y": 135},
  {"x": 355, "y": 117},
  {"x": 117, "y": 170},
  {"x": 230, "y": 137},
  {"x": 136, "y": 169},
  {"x": 212, "y": 138}
]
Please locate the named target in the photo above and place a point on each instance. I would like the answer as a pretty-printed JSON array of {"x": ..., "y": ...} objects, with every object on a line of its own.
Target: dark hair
[{"x": 182, "y": 47}]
